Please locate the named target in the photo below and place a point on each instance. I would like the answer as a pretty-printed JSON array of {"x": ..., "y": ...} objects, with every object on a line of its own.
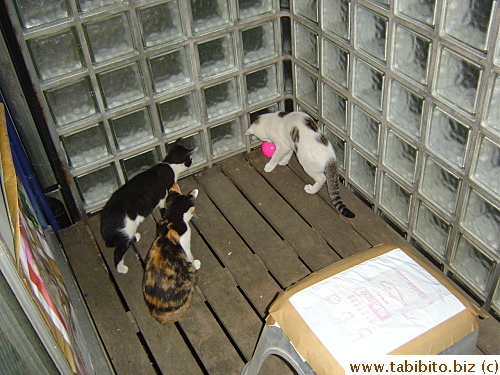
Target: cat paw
[
  {"x": 196, "y": 264},
  {"x": 310, "y": 189},
  {"x": 121, "y": 267},
  {"x": 268, "y": 167},
  {"x": 137, "y": 237}
]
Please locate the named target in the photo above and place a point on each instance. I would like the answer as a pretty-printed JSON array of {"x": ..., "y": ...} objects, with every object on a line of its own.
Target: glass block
[
  {"x": 336, "y": 17},
  {"x": 368, "y": 84},
  {"x": 226, "y": 138},
  {"x": 334, "y": 108},
  {"x": 56, "y": 55},
  {"x": 482, "y": 220},
  {"x": 405, "y": 109},
  {"x": 86, "y": 146},
  {"x": 496, "y": 297},
  {"x": 179, "y": 114},
  {"x": 411, "y": 54},
  {"x": 160, "y": 23},
  {"x": 121, "y": 86},
  {"x": 139, "y": 163},
  {"x": 458, "y": 80},
  {"x": 262, "y": 84},
  {"x": 72, "y": 102},
  {"x": 365, "y": 131},
  {"x": 400, "y": 157},
  {"x": 448, "y": 138},
  {"x": 306, "y": 87},
  {"x": 216, "y": 56},
  {"x": 109, "y": 38},
  {"x": 97, "y": 186},
  {"x": 419, "y": 10},
  {"x": 370, "y": 32},
  {"x": 132, "y": 130},
  {"x": 222, "y": 99},
  {"x": 383, "y": 2},
  {"x": 306, "y": 45},
  {"x": 335, "y": 63},
  {"x": 171, "y": 70},
  {"x": 487, "y": 165},
  {"x": 363, "y": 172},
  {"x": 472, "y": 264},
  {"x": 395, "y": 198},
  {"x": 339, "y": 145},
  {"x": 492, "y": 116},
  {"x": 196, "y": 140},
  {"x": 468, "y": 22},
  {"x": 33, "y": 13},
  {"x": 432, "y": 230},
  {"x": 209, "y": 15},
  {"x": 248, "y": 9},
  {"x": 259, "y": 43},
  {"x": 85, "y": 6},
  {"x": 306, "y": 8},
  {"x": 440, "y": 186}
]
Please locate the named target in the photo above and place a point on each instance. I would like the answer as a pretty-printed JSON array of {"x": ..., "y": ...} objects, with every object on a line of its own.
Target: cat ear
[
  {"x": 192, "y": 151},
  {"x": 249, "y": 130},
  {"x": 175, "y": 187}
]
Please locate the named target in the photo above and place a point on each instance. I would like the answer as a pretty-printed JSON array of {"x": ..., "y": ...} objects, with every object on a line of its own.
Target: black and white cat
[
  {"x": 297, "y": 131},
  {"x": 170, "y": 273},
  {"x": 137, "y": 198}
]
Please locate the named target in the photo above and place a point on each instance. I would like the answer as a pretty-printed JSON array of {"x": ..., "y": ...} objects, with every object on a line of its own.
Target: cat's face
[
  {"x": 179, "y": 155},
  {"x": 179, "y": 205},
  {"x": 258, "y": 127}
]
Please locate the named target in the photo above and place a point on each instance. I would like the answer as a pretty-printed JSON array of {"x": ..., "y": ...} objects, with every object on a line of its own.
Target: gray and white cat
[{"x": 297, "y": 131}]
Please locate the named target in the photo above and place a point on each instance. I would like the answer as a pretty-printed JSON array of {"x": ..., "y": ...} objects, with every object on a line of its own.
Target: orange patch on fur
[
  {"x": 173, "y": 236},
  {"x": 176, "y": 187}
]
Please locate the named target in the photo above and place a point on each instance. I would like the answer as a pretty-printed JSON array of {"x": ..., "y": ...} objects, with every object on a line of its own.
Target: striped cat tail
[{"x": 332, "y": 182}]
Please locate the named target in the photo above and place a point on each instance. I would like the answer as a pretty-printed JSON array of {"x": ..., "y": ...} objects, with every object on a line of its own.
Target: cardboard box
[{"x": 410, "y": 307}]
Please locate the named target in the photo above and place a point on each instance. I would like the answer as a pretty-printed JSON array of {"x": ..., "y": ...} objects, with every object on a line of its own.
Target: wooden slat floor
[{"x": 255, "y": 233}]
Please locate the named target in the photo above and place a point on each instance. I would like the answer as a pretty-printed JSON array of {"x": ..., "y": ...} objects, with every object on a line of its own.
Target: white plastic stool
[{"x": 273, "y": 341}]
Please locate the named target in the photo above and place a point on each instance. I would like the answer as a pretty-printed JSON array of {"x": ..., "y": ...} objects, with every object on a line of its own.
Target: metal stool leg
[{"x": 274, "y": 341}]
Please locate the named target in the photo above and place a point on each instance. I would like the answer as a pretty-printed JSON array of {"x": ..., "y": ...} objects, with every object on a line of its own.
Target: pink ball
[{"x": 268, "y": 149}]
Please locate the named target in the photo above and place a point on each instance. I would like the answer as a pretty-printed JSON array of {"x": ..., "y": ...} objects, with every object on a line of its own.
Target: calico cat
[
  {"x": 297, "y": 131},
  {"x": 136, "y": 199},
  {"x": 170, "y": 273}
]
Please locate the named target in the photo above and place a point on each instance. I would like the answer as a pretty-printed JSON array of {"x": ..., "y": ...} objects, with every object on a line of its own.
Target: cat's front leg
[
  {"x": 196, "y": 264},
  {"x": 276, "y": 158}
]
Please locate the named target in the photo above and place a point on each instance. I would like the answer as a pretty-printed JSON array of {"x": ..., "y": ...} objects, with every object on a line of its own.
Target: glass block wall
[
  {"x": 408, "y": 91},
  {"x": 118, "y": 80}
]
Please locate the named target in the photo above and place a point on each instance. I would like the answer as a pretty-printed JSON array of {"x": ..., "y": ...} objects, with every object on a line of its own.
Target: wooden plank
[
  {"x": 308, "y": 244},
  {"x": 118, "y": 334},
  {"x": 221, "y": 292},
  {"x": 489, "y": 334},
  {"x": 211, "y": 344},
  {"x": 367, "y": 223},
  {"x": 237, "y": 316},
  {"x": 169, "y": 349},
  {"x": 334, "y": 229},
  {"x": 246, "y": 268},
  {"x": 276, "y": 254}
]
